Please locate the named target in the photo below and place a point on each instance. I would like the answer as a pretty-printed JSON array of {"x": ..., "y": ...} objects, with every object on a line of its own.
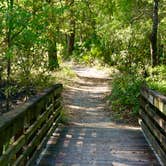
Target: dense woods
[{"x": 36, "y": 37}]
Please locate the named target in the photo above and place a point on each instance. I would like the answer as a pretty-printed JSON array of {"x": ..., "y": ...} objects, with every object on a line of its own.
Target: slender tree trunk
[
  {"x": 154, "y": 50},
  {"x": 52, "y": 56},
  {"x": 9, "y": 44},
  {"x": 71, "y": 39},
  {"x": 9, "y": 41},
  {"x": 52, "y": 47},
  {"x": 1, "y": 69}
]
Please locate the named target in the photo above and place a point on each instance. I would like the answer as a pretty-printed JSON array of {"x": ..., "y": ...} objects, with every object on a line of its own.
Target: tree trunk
[
  {"x": 9, "y": 45},
  {"x": 52, "y": 48},
  {"x": 52, "y": 56},
  {"x": 154, "y": 51},
  {"x": 71, "y": 39},
  {"x": 1, "y": 70}
]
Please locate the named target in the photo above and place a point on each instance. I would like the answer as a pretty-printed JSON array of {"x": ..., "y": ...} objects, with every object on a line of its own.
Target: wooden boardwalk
[{"x": 91, "y": 139}]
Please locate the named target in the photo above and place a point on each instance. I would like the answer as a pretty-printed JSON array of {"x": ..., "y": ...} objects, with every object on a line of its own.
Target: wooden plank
[
  {"x": 154, "y": 143},
  {"x": 146, "y": 95},
  {"x": 154, "y": 120},
  {"x": 36, "y": 140},
  {"x": 6, "y": 119},
  {"x": 58, "y": 89},
  {"x": 14, "y": 148},
  {"x": 10, "y": 129},
  {"x": 56, "y": 105},
  {"x": 1, "y": 149},
  {"x": 14, "y": 121},
  {"x": 41, "y": 132},
  {"x": 32, "y": 129},
  {"x": 154, "y": 114},
  {"x": 25, "y": 154},
  {"x": 157, "y": 133},
  {"x": 39, "y": 121},
  {"x": 32, "y": 161},
  {"x": 39, "y": 149},
  {"x": 155, "y": 98}
]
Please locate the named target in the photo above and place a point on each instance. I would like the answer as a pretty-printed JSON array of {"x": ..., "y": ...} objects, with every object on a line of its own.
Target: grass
[{"x": 64, "y": 75}]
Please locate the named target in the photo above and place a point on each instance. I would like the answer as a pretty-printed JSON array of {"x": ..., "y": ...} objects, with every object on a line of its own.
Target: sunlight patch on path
[
  {"x": 106, "y": 125},
  {"x": 91, "y": 73},
  {"x": 90, "y": 138}
]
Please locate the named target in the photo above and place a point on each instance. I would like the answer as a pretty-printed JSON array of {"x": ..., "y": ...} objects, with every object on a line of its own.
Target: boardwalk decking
[{"x": 91, "y": 139}]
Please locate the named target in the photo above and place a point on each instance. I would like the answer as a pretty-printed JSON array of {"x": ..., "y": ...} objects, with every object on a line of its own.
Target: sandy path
[{"x": 92, "y": 139}]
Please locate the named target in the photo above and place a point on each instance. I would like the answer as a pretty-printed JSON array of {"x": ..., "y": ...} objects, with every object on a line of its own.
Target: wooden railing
[
  {"x": 24, "y": 130},
  {"x": 153, "y": 120}
]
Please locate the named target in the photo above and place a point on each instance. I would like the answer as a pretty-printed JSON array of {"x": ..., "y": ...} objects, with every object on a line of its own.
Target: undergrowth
[
  {"x": 124, "y": 97},
  {"x": 157, "y": 79},
  {"x": 125, "y": 92},
  {"x": 23, "y": 87}
]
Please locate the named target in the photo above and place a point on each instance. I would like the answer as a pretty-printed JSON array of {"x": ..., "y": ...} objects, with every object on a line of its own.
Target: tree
[
  {"x": 9, "y": 23},
  {"x": 153, "y": 39},
  {"x": 70, "y": 36},
  {"x": 52, "y": 33}
]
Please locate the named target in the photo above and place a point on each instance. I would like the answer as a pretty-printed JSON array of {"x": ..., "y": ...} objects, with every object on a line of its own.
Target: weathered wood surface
[
  {"x": 85, "y": 146},
  {"x": 153, "y": 120},
  {"x": 154, "y": 98},
  {"x": 22, "y": 131},
  {"x": 92, "y": 139}
]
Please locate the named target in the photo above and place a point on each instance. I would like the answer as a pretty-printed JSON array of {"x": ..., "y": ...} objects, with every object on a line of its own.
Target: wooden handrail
[
  {"x": 23, "y": 129},
  {"x": 153, "y": 120}
]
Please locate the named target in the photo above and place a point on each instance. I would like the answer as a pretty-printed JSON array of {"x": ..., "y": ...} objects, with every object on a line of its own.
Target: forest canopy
[{"x": 37, "y": 36}]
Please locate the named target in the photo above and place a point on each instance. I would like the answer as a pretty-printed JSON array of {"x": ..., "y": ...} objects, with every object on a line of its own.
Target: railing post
[
  {"x": 17, "y": 135},
  {"x": 1, "y": 148},
  {"x": 28, "y": 127},
  {"x": 153, "y": 120}
]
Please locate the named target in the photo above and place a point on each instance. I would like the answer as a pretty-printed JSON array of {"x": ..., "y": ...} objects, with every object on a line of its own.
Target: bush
[
  {"x": 125, "y": 93},
  {"x": 157, "y": 79}
]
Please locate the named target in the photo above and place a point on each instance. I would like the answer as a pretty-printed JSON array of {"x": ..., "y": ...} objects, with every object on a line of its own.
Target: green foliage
[
  {"x": 115, "y": 32},
  {"x": 157, "y": 79},
  {"x": 125, "y": 92},
  {"x": 89, "y": 56},
  {"x": 64, "y": 75}
]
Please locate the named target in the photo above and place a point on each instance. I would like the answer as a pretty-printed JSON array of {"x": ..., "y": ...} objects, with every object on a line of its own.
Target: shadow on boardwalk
[{"x": 91, "y": 138}]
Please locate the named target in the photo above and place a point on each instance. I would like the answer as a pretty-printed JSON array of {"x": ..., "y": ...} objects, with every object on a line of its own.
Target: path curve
[{"x": 92, "y": 139}]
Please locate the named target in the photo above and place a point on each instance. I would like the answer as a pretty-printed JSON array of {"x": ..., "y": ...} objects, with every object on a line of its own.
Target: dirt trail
[
  {"x": 85, "y": 100},
  {"x": 92, "y": 139}
]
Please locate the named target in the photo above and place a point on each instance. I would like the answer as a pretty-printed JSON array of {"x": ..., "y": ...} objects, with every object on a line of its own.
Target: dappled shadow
[
  {"x": 86, "y": 104},
  {"x": 98, "y": 146},
  {"x": 91, "y": 138}
]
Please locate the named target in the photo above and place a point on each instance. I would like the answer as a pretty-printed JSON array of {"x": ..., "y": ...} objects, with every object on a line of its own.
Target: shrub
[
  {"x": 125, "y": 92},
  {"x": 157, "y": 78}
]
